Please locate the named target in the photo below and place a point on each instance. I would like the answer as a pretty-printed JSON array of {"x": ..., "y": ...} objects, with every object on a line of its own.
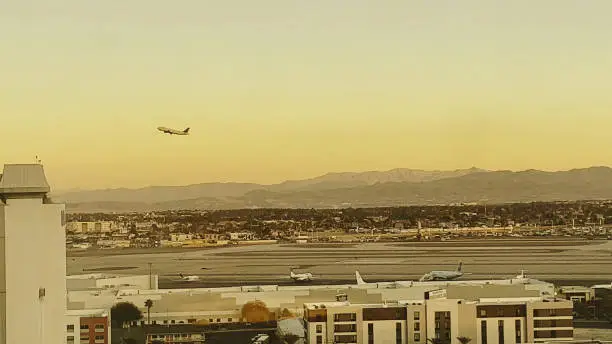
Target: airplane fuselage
[
  {"x": 305, "y": 277},
  {"x": 173, "y": 131},
  {"x": 441, "y": 276}
]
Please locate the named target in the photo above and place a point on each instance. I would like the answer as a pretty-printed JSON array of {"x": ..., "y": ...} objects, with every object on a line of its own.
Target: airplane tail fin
[
  {"x": 186, "y": 130},
  {"x": 360, "y": 280},
  {"x": 459, "y": 266}
]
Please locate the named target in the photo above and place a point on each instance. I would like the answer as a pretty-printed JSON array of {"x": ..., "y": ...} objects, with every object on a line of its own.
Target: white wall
[
  {"x": 312, "y": 332},
  {"x": 35, "y": 257},
  {"x": 75, "y": 321}
]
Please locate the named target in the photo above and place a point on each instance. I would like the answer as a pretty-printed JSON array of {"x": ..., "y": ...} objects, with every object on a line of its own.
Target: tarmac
[{"x": 561, "y": 261}]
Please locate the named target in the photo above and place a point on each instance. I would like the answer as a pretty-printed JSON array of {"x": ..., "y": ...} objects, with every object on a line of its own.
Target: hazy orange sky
[{"x": 281, "y": 89}]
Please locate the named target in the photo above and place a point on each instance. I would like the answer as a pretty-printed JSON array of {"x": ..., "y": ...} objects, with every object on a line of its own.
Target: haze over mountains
[{"x": 395, "y": 187}]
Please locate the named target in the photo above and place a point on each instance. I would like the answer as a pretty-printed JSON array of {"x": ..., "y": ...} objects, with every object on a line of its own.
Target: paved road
[{"x": 582, "y": 262}]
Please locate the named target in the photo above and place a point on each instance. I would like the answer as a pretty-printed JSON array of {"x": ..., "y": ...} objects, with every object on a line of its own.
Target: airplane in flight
[
  {"x": 443, "y": 275},
  {"x": 173, "y": 131},
  {"x": 192, "y": 278},
  {"x": 303, "y": 277}
]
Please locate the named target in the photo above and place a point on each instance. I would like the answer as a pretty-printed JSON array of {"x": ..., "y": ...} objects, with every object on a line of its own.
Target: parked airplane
[
  {"x": 191, "y": 278},
  {"x": 521, "y": 278},
  {"x": 360, "y": 280},
  {"x": 443, "y": 275},
  {"x": 173, "y": 131},
  {"x": 303, "y": 277}
]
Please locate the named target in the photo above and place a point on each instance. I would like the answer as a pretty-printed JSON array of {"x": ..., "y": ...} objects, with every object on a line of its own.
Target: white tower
[{"x": 32, "y": 259}]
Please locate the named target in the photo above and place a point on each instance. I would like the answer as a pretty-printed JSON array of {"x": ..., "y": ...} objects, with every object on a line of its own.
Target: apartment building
[
  {"x": 486, "y": 321},
  {"x": 342, "y": 322},
  {"x": 88, "y": 327}
]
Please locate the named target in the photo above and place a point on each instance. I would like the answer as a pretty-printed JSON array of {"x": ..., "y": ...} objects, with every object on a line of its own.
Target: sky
[{"x": 276, "y": 90}]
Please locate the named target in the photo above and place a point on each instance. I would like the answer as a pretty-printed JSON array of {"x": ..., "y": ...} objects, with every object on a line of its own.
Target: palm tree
[
  {"x": 435, "y": 341},
  {"x": 464, "y": 340},
  {"x": 149, "y": 304}
]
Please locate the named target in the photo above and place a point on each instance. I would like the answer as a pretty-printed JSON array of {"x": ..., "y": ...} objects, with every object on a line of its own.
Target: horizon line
[{"x": 482, "y": 170}]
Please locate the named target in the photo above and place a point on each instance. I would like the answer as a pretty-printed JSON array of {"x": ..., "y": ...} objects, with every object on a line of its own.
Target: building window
[
  {"x": 500, "y": 312},
  {"x": 417, "y": 315},
  {"x": 319, "y": 339},
  {"x": 483, "y": 313},
  {"x": 70, "y": 328},
  {"x": 84, "y": 327},
  {"x": 417, "y": 326},
  {"x": 500, "y": 330},
  {"x": 483, "y": 331},
  {"x": 417, "y": 337},
  {"x": 345, "y": 338},
  {"x": 398, "y": 333},
  {"x": 517, "y": 331},
  {"x": 319, "y": 328},
  {"x": 344, "y": 328},
  {"x": 345, "y": 317},
  {"x": 70, "y": 340},
  {"x": 370, "y": 333}
]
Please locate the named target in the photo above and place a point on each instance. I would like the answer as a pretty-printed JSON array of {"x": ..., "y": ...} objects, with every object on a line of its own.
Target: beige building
[
  {"x": 577, "y": 293},
  {"x": 90, "y": 227},
  {"x": 484, "y": 320},
  {"x": 33, "y": 263}
]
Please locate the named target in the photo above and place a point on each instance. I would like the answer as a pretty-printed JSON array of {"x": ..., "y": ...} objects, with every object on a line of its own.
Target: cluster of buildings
[
  {"x": 110, "y": 234},
  {"x": 40, "y": 304}
]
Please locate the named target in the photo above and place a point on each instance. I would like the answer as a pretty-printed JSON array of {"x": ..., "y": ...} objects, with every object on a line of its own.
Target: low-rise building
[
  {"x": 484, "y": 321},
  {"x": 90, "y": 226},
  {"x": 577, "y": 293},
  {"x": 89, "y": 326}
]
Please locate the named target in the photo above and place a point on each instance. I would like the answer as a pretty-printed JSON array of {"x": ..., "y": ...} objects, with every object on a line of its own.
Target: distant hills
[{"x": 395, "y": 187}]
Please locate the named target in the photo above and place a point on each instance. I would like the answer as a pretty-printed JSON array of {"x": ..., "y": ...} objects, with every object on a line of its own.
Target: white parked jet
[
  {"x": 173, "y": 131},
  {"x": 191, "y": 278},
  {"x": 304, "y": 277},
  {"x": 443, "y": 275}
]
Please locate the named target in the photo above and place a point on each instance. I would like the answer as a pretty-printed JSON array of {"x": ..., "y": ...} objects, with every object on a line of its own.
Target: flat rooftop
[
  {"x": 23, "y": 179},
  {"x": 575, "y": 289}
]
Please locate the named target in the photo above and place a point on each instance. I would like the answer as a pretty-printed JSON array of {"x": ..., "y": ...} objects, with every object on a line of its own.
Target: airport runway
[{"x": 560, "y": 261}]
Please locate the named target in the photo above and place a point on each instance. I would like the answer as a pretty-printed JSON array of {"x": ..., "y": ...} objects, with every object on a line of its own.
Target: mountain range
[{"x": 395, "y": 187}]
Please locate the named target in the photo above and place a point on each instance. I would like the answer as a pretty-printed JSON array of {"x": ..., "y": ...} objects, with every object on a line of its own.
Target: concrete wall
[{"x": 34, "y": 257}]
